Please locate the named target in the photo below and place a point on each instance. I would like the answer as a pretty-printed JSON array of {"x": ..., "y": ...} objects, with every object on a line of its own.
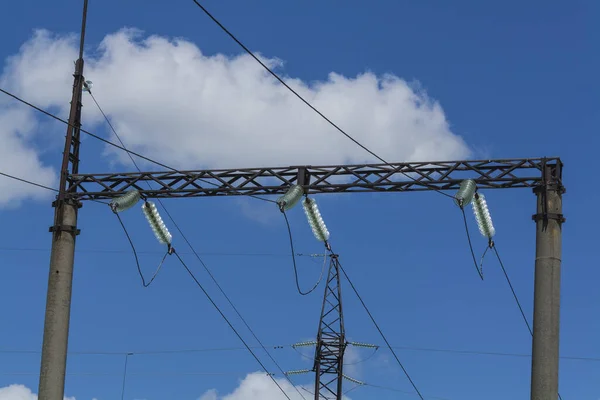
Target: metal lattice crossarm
[{"x": 445, "y": 175}]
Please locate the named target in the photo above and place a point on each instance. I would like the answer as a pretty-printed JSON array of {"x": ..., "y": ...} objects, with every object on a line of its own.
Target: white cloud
[
  {"x": 353, "y": 359},
  {"x": 210, "y": 395},
  {"x": 258, "y": 386},
  {"x": 255, "y": 386},
  {"x": 173, "y": 103},
  {"x": 19, "y": 158},
  {"x": 20, "y": 392}
]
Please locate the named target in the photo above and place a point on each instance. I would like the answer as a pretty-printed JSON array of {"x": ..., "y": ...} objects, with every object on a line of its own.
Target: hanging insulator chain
[
  {"x": 290, "y": 198},
  {"x": 125, "y": 202},
  {"x": 315, "y": 220},
  {"x": 156, "y": 223},
  {"x": 483, "y": 217},
  {"x": 465, "y": 193}
]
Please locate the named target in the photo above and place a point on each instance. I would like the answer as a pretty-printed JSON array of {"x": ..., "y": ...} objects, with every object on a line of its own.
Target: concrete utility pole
[
  {"x": 64, "y": 231},
  {"x": 546, "y": 308}
]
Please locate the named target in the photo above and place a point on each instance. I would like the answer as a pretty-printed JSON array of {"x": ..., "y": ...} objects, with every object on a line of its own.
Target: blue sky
[{"x": 513, "y": 80}]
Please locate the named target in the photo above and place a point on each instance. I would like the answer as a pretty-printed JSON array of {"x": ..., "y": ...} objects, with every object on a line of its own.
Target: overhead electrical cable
[
  {"x": 389, "y": 346},
  {"x": 137, "y": 261},
  {"x": 464, "y": 197},
  {"x": 210, "y": 254},
  {"x": 479, "y": 269},
  {"x": 400, "y": 391},
  {"x": 361, "y": 361},
  {"x": 130, "y": 154},
  {"x": 124, "y": 376},
  {"x": 154, "y": 373},
  {"x": 280, "y": 347},
  {"x": 466, "y": 194},
  {"x": 40, "y": 186},
  {"x": 199, "y": 258},
  {"x": 108, "y": 142},
  {"x": 286, "y": 202},
  {"x": 322, "y": 234},
  {"x": 230, "y": 324},
  {"x": 303, "y": 293},
  {"x": 28, "y": 182},
  {"x": 303, "y": 100},
  {"x": 512, "y": 289}
]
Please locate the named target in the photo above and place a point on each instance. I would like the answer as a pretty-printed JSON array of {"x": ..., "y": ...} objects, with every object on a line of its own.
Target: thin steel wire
[
  {"x": 210, "y": 299},
  {"x": 479, "y": 271},
  {"x": 306, "y": 102},
  {"x": 196, "y": 254},
  {"x": 379, "y": 330},
  {"x": 137, "y": 261},
  {"x": 294, "y": 261}
]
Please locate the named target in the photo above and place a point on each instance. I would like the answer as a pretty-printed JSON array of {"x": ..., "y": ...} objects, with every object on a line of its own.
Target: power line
[
  {"x": 512, "y": 289},
  {"x": 39, "y": 185},
  {"x": 108, "y": 142},
  {"x": 289, "y": 229},
  {"x": 117, "y": 251},
  {"x": 479, "y": 271},
  {"x": 361, "y": 361},
  {"x": 124, "y": 376},
  {"x": 130, "y": 153},
  {"x": 137, "y": 261},
  {"x": 360, "y": 384},
  {"x": 131, "y": 157},
  {"x": 156, "y": 373},
  {"x": 201, "y": 262},
  {"x": 28, "y": 182},
  {"x": 302, "y": 99},
  {"x": 391, "y": 389},
  {"x": 381, "y": 332},
  {"x": 229, "y": 323},
  {"x": 281, "y": 347},
  {"x": 143, "y": 353},
  {"x": 332, "y": 124},
  {"x": 208, "y": 271}
]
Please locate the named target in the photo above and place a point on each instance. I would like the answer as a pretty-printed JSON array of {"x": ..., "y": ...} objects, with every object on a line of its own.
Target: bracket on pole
[
  {"x": 65, "y": 228},
  {"x": 551, "y": 180},
  {"x": 58, "y": 228},
  {"x": 303, "y": 177}
]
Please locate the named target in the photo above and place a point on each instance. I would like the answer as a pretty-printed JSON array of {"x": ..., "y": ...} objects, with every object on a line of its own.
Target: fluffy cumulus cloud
[
  {"x": 258, "y": 386},
  {"x": 255, "y": 386},
  {"x": 173, "y": 103},
  {"x": 20, "y": 392},
  {"x": 18, "y": 157}
]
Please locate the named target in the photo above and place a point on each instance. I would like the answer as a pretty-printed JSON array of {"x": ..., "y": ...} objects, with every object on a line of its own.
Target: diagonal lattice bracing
[
  {"x": 442, "y": 175},
  {"x": 331, "y": 341}
]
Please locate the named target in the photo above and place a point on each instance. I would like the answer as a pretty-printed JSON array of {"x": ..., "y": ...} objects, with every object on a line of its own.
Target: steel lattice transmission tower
[{"x": 331, "y": 338}]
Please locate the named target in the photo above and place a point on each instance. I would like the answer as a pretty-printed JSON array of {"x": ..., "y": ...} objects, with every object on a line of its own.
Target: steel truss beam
[{"x": 444, "y": 175}]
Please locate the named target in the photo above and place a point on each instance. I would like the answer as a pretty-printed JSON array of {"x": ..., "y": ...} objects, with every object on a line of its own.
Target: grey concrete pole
[
  {"x": 58, "y": 308},
  {"x": 64, "y": 231},
  {"x": 546, "y": 321}
]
